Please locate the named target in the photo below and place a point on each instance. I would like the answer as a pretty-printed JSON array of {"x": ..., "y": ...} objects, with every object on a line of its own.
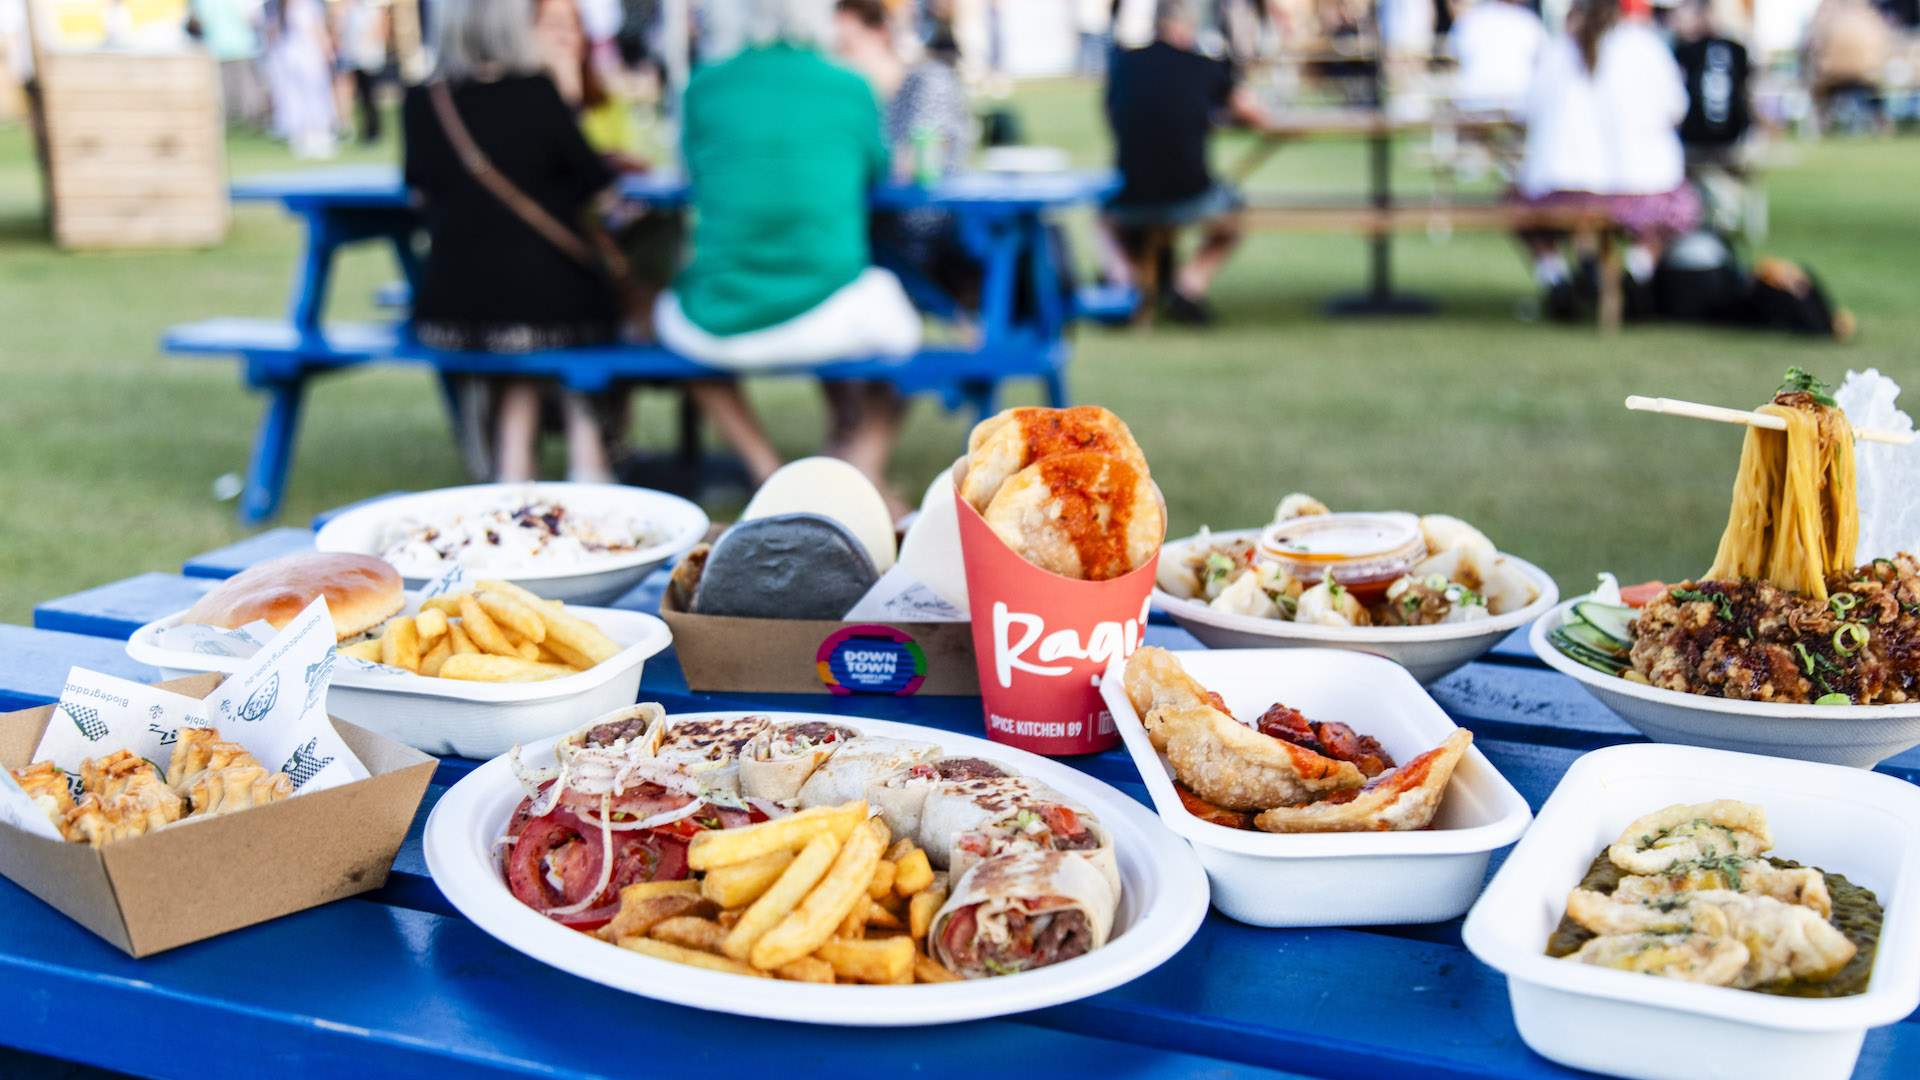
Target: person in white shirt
[
  {"x": 1495, "y": 45},
  {"x": 1601, "y": 118}
]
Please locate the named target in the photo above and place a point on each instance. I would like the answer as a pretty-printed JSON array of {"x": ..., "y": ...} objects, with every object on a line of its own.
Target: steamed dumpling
[
  {"x": 1299, "y": 505},
  {"x": 1329, "y": 604},
  {"x": 1245, "y": 597}
]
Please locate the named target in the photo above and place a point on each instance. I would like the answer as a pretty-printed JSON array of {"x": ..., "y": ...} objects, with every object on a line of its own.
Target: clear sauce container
[{"x": 1364, "y": 553}]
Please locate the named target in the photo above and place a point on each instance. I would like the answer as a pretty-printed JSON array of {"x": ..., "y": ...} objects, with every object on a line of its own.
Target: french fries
[
  {"x": 502, "y": 627},
  {"x": 779, "y": 901},
  {"x": 813, "y": 897},
  {"x": 507, "y": 632},
  {"x": 884, "y": 960},
  {"x": 400, "y": 645},
  {"x": 514, "y": 615},
  {"x": 479, "y": 667},
  {"x": 727, "y": 847},
  {"x": 912, "y": 873},
  {"x": 809, "y": 926},
  {"x": 921, "y": 909},
  {"x": 742, "y": 883},
  {"x": 683, "y": 955}
]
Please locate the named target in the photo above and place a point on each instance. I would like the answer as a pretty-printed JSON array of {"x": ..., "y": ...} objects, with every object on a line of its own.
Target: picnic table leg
[
  {"x": 1612, "y": 297},
  {"x": 315, "y": 273},
  {"x": 272, "y": 450}
]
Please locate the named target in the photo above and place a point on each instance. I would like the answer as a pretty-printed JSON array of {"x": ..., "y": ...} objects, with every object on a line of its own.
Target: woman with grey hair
[
  {"x": 781, "y": 146},
  {"x": 511, "y": 268}
]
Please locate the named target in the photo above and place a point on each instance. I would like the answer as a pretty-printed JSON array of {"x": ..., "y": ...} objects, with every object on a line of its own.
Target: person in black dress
[{"x": 492, "y": 281}]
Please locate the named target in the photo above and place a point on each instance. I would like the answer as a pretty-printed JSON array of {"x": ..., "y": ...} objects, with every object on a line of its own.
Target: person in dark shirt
[
  {"x": 1715, "y": 69},
  {"x": 1162, "y": 102},
  {"x": 492, "y": 282}
]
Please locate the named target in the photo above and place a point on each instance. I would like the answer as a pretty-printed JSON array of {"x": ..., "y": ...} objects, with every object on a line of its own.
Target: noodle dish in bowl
[{"x": 1796, "y": 641}]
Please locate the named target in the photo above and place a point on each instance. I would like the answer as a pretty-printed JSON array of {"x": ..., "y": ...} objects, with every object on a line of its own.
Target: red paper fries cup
[{"x": 1040, "y": 640}]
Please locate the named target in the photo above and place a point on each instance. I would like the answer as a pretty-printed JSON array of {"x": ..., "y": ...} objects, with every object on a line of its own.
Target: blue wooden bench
[
  {"x": 1023, "y": 308},
  {"x": 279, "y": 360}
]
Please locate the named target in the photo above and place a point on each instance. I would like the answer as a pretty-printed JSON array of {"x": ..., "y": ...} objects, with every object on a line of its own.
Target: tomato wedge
[{"x": 1643, "y": 594}]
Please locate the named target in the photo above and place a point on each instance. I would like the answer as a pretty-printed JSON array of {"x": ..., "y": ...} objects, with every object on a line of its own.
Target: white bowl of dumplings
[{"x": 1243, "y": 613}]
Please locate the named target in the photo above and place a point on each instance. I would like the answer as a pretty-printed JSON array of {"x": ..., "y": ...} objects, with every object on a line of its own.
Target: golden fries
[
  {"x": 400, "y": 645},
  {"x": 482, "y": 629},
  {"x": 368, "y": 650},
  {"x": 511, "y": 613},
  {"x": 806, "y": 898},
  {"x": 774, "y": 905},
  {"x": 806, "y": 969},
  {"x": 727, "y": 847},
  {"x": 479, "y": 667},
  {"x": 436, "y": 656},
  {"x": 912, "y": 873},
  {"x": 883, "y": 876},
  {"x": 461, "y": 642},
  {"x": 742, "y": 883},
  {"x": 928, "y": 970},
  {"x": 921, "y": 909},
  {"x": 885, "y": 960},
  {"x": 431, "y": 622},
  {"x": 690, "y": 932},
  {"x": 693, "y": 957},
  {"x": 809, "y": 926}
]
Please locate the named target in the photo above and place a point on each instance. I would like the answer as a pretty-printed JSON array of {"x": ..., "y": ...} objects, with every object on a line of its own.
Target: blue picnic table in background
[
  {"x": 1019, "y": 318},
  {"x": 396, "y": 983}
]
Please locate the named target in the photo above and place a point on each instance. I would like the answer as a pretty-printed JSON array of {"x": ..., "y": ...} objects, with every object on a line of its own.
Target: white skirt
[{"x": 868, "y": 317}]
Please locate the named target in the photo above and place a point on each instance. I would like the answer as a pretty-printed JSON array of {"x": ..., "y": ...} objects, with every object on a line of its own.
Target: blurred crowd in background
[{"x": 312, "y": 71}]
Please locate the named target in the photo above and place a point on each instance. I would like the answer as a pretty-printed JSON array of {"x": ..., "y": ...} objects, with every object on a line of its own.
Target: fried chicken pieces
[
  {"x": 123, "y": 795},
  {"x": 1283, "y": 778}
]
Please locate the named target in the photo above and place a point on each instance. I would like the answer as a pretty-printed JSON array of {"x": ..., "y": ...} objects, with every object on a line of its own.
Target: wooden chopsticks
[{"x": 1697, "y": 411}]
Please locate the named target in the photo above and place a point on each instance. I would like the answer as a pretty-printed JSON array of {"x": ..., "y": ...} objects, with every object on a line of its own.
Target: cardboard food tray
[
  {"x": 812, "y": 656},
  {"x": 198, "y": 879}
]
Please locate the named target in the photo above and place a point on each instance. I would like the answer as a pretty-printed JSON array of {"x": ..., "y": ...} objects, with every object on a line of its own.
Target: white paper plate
[
  {"x": 1859, "y": 735},
  {"x": 1430, "y": 652},
  {"x": 454, "y": 716},
  {"x": 1628, "y": 1024},
  {"x": 601, "y": 581},
  {"x": 1335, "y": 879},
  {"x": 1164, "y": 901}
]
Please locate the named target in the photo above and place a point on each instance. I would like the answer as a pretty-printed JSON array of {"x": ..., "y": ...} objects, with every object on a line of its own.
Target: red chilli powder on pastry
[
  {"x": 1065, "y": 431},
  {"x": 1096, "y": 495}
]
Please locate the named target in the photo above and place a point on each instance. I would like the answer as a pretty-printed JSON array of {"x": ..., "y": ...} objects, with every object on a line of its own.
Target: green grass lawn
[{"x": 111, "y": 449}]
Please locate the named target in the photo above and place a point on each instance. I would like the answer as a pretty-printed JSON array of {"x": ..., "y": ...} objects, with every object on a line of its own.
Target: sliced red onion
[{"x": 606, "y": 866}]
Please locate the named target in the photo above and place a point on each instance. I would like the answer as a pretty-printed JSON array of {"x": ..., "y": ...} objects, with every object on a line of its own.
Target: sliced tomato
[
  {"x": 1643, "y": 594},
  {"x": 1061, "y": 820},
  {"x": 562, "y": 846},
  {"x": 959, "y": 935}
]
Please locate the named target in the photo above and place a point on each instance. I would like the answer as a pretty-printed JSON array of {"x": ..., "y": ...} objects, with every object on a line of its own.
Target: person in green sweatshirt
[{"x": 781, "y": 148}]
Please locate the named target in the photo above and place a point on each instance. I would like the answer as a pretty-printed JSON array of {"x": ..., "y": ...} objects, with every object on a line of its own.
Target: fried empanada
[
  {"x": 47, "y": 786},
  {"x": 1154, "y": 681},
  {"x": 190, "y": 746},
  {"x": 236, "y": 787},
  {"x": 206, "y": 756},
  {"x": 1403, "y": 799},
  {"x": 110, "y": 776},
  {"x": 145, "y": 805},
  {"x": 1002, "y": 445},
  {"x": 1233, "y": 766},
  {"x": 1089, "y": 516}
]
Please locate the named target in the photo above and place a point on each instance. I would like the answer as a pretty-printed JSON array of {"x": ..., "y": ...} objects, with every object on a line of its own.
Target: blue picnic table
[
  {"x": 396, "y": 983},
  {"x": 1019, "y": 317}
]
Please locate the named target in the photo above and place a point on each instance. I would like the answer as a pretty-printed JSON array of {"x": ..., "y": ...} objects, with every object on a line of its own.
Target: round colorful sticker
[{"x": 870, "y": 659}]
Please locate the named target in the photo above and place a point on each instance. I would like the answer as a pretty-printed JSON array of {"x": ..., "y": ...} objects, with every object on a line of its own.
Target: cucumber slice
[
  {"x": 1593, "y": 658},
  {"x": 1593, "y": 638},
  {"x": 1612, "y": 620}
]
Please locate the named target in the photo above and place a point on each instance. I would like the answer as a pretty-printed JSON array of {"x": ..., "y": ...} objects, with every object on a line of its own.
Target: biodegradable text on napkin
[{"x": 275, "y": 705}]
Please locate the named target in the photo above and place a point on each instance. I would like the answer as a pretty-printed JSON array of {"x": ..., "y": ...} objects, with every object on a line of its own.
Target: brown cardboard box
[
  {"x": 798, "y": 656},
  {"x": 198, "y": 879}
]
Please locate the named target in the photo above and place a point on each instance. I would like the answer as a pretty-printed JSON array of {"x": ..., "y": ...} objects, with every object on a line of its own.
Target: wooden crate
[{"x": 135, "y": 149}]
